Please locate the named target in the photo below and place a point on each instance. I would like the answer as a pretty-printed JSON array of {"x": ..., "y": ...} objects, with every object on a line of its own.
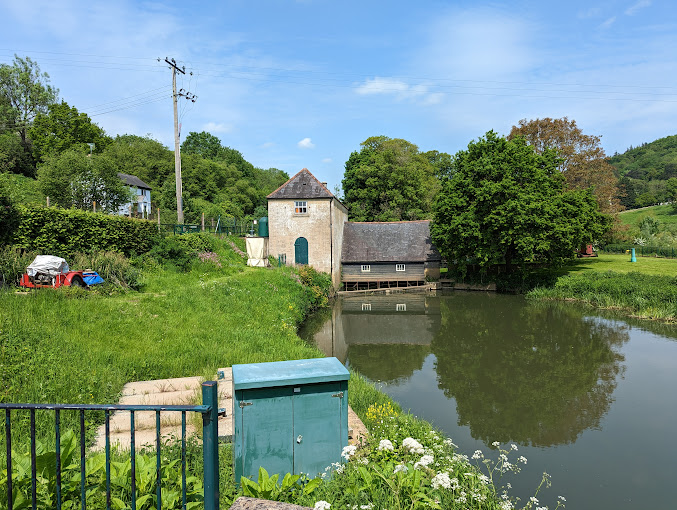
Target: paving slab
[{"x": 180, "y": 391}]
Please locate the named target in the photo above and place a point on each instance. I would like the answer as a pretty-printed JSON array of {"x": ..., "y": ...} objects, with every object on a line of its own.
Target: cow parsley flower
[
  {"x": 385, "y": 444},
  {"x": 322, "y": 505},
  {"x": 522, "y": 459},
  {"x": 412, "y": 445},
  {"x": 495, "y": 444},
  {"x": 425, "y": 461},
  {"x": 401, "y": 467},
  {"x": 348, "y": 451},
  {"x": 478, "y": 454},
  {"x": 441, "y": 480}
]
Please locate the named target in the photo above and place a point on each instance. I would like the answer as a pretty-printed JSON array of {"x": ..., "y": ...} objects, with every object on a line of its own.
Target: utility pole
[{"x": 177, "y": 144}]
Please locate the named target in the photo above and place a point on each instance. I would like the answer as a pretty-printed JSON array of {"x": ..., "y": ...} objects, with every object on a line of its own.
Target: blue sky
[{"x": 295, "y": 84}]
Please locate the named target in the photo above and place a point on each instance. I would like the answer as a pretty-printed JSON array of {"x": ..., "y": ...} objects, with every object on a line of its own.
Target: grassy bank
[
  {"x": 73, "y": 346},
  {"x": 644, "y": 289}
]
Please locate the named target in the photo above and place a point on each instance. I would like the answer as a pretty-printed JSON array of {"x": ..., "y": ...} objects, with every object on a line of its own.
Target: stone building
[
  {"x": 306, "y": 224},
  {"x": 309, "y": 225}
]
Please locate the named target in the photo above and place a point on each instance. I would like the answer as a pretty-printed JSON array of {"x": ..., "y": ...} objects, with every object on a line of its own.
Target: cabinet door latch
[
  {"x": 339, "y": 394},
  {"x": 244, "y": 404}
]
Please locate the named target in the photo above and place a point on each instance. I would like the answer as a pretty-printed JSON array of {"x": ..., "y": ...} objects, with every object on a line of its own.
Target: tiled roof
[
  {"x": 133, "y": 180},
  {"x": 401, "y": 241},
  {"x": 302, "y": 185}
]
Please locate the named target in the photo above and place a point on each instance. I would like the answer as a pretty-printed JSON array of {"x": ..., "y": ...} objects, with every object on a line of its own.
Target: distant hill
[{"x": 644, "y": 171}]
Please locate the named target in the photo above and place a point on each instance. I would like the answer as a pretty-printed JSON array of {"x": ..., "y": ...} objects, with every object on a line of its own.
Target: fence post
[{"x": 210, "y": 445}]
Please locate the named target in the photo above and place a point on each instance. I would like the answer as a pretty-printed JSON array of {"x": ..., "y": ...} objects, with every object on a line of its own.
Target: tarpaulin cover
[
  {"x": 47, "y": 264},
  {"x": 257, "y": 251},
  {"x": 91, "y": 278}
]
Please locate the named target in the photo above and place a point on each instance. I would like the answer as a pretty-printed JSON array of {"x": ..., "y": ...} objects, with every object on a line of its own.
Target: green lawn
[
  {"x": 622, "y": 264},
  {"x": 663, "y": 213}
]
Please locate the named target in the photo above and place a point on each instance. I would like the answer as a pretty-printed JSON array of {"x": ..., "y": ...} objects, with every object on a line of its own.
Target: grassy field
[
  {"x": 663, "y": 213},
  {"x": 622, "y": 264}
]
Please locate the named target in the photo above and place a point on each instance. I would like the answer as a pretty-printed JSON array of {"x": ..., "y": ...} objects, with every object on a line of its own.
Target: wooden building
[{"x": 388, "y": 254}]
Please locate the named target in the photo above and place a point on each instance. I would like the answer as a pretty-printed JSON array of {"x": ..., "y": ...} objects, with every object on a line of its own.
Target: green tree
[
  {"x": 143, "y": 157},
  {"x": 74, "y": 179},
  {"x": 582, "y": 158},
  {"x": 13, "y": 156},
  {"x": 61, "y": 128},
  {"x": 203, "y": 144},
  {"x": 25, "y": 93},
  {"x": 389, "y": 180},
  {"x": 506, "y": 204}
]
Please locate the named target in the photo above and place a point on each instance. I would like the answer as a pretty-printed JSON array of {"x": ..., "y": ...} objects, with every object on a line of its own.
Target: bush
[
  {"x": 63, "y": 232},
  {"x": 318, "y": 284},
  {"x": 13, "y": 263},
  {"x": 113, "y": 267},
  {"x": 171, "y": 251},
  {"x": 9, "y": 219}
]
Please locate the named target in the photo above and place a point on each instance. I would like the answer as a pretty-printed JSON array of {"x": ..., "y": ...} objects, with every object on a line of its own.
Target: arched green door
[{"x": 301, "y": 251}]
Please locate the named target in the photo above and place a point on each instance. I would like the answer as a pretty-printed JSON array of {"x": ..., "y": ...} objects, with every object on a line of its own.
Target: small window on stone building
[
  {"x": 400, "y": 267},
  {"x": 366, "y": 307},
  {"x": 301, "y": 207},
  {"x": 401, "y": 307},
  {"x": 366, "y": 268}
]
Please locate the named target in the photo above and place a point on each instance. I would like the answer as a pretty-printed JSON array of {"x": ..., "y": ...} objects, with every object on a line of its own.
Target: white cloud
[
  {"x": 213, "y": 127},
  {"x": 326, "y": 160},
  {"x": 398, "y": 88},
  {"x": 630, "y": 11},
  {"x": 306, "y": 143},
  {"x": 608, "y": 23}
]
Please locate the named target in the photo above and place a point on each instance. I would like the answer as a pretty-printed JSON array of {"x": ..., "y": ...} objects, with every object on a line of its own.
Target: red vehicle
[{"x": 50, "y": 271}]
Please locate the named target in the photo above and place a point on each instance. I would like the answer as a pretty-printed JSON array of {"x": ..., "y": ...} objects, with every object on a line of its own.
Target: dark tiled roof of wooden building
[
  {"x": 400, "y": 241},
  {"x": 302, "y": 185},
  {"x": 133, "y": 180}
]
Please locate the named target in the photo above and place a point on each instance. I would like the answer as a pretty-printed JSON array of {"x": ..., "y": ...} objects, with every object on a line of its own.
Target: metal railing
[
  {"x": 641, "y": 251},
  {"x": 208, "y": 410}
]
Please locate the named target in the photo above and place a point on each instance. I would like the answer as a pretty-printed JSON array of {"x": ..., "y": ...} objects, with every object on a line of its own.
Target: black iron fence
[{"x": 640, "y": 251}]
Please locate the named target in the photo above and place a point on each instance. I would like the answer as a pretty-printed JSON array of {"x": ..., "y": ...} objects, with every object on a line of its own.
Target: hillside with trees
[
  {"x": 50, "y": 149},
  {"x": 646, "y": 171}
]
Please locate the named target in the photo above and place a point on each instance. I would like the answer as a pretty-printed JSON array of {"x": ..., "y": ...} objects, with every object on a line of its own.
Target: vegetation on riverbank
[{"x": 73, "y": 346}]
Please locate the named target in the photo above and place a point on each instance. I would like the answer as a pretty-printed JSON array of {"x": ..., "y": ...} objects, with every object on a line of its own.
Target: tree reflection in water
[{"x": 534, "y": 373}]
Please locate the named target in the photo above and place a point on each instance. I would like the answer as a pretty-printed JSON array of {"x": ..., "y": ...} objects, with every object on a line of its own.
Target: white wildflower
[
  {"x": 363, "y": 460},
  {"x": 348, "y": 451},
  {"x": 368, "y": 506},
  {"x": 401, "y": 467},
  {"x": 522, "y": 459},
  {"x": 441, "y": 480},
  {"x": 385, "y": 444},
  {"x": 448, "y": 441},
  {"x": 426, "y": 460},
  {"x": 562, "y": 498},
  {"x": 541, "y": 508},
  {"x": 495, "y": 444},
  {"x": 484, "y": 479},
  {"x": 478, "y": 454},
  {"x": 506, "y": 505},
  {"x": 513, "y": 446},
  {"x": 508, "y": 485},
  {"x": 322, "y": 505},
  {"x": 454, "y": 484},
  {"x": 534, "y": 500},
  {"x": 503, "y": 457},
  {"x": 412, "y": 445}
]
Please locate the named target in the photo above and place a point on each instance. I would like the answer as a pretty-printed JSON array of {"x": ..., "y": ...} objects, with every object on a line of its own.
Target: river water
[{"x": 588, "y": 397}]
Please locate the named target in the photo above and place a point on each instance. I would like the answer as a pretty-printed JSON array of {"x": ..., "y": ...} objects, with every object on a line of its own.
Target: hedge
[{"x": 63, "y": 232}]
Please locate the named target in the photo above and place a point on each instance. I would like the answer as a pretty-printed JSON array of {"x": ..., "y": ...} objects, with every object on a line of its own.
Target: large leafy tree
[
  {"x": 582, "y": 159},
  {"x": 75, "y": 179},
  {"x": 24, "y": 93},
  {"x": 63, "y": 127},
  {"x": 507, "y": 204},
  {"x": 390, "y": 180}
]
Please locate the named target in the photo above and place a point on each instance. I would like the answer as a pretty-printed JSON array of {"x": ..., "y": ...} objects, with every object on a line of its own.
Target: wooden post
[
  {"x": 203, "y": 222},
  {"x": 47, "y": 201},
  {"x": 158, "y": 219},
  {"x": 213, "y": 225},
  {"x": 94, "y": 205}
]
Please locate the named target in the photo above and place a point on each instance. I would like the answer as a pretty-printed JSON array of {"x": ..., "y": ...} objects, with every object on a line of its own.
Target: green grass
[
  {"x": 621, "y": 264},
  {"x": 645, "y": 289},
  {"x": 663, "y": 213}
]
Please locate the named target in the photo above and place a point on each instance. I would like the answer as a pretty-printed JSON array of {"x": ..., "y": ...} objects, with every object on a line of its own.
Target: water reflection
[{"x": 533, "y": 373}]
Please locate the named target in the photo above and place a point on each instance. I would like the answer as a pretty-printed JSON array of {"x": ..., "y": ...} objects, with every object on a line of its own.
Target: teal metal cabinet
[{"x": 289, "y": 416}]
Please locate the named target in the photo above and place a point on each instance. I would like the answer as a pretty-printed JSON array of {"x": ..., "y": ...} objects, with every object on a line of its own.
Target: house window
[
  {"x": 366, "y": 307},
  {"x": 400, "y": 267},
  {"x": 401, "y": 307},
  {"x": 301, "y": 207},
  {"x": 366, "y": 268}
]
